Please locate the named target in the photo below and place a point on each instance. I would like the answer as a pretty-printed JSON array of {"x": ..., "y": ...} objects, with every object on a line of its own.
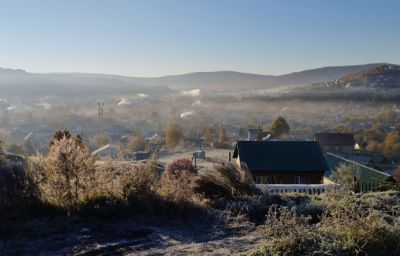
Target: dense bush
[
  {"x": 349, "y": 225},
  {"x": 180, "y": 165},
  {"x": 345, "y": 174},
  {"x": 225, "y": 180},
  {"x": 252, "y": 208},
  {"x": 176, "y": 189},
  {"x": 139, "y": 182}
]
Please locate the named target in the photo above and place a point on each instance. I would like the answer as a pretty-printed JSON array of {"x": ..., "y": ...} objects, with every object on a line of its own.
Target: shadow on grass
[{"x": 106, "y": 226}]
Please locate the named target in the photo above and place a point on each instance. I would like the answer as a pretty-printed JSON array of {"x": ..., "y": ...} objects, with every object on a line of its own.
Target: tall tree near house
[
  {"x": 253, "y": 123},
  {"x": 222, "y": 137},
  {"x": 209, "y": 135},
  {"x": 375, "y": 132},
  {"x": 387, "y": 115},
  {"x": 391, "y": 144},
  {"x": 279, "y": 127},
  {"x": 396, "y": 174},
  {"x": 372, "y": 146},
  {"x": 173, "y": 135}
]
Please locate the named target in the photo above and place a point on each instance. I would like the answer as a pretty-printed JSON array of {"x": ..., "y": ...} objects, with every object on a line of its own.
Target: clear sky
[{"x": 151, "y": 38}]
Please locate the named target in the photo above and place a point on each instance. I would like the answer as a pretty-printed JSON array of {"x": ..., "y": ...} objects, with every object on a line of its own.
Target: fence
[
  {"x": 297, "y": 188},
  {"x": 370, "y": 186}
]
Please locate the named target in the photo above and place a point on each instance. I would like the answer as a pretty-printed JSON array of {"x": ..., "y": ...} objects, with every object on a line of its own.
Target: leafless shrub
[
  {"x": 284, "y": 221},
  {"x": 251, "y": 208},
  {"x": 107, "y": 180},
  {"x": 344, "y": 175},
  {"x": 177, "y": 188},
  {"x": 226, "y": 180},
  {"x": 180, "y": 165},
  {"x": 139, "y": 183}
]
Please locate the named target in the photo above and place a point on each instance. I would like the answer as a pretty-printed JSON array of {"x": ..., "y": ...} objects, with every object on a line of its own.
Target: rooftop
[
  {"x": 281, "y": 155},
  {"x": 335, "y": 139}
]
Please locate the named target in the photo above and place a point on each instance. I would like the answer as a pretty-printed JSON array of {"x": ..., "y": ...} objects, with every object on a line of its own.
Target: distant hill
[
  {"x": 380, "y": 82},
  {"x": 322, "y": 74},
  {"x": 385, "y": 76},
  {"x": 228, "y": 80},
  {"x": 21, "y": 83},
  {"x": 218, "y": 80}
]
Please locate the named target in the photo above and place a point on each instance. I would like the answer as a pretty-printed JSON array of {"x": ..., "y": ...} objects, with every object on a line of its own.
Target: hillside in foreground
[{"x": 124, "y": 208}]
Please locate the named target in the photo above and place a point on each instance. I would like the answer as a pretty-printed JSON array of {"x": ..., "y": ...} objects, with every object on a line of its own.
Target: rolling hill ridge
[{"x": 20, "y": 83}]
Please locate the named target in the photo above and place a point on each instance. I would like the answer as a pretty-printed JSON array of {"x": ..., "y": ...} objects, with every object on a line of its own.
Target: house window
[
  {"x": 305, "y": 180},
  {"x": 267, "y": 180},
  {"x": 264, "y": 180},
  {"x": 301, "y": 180}
]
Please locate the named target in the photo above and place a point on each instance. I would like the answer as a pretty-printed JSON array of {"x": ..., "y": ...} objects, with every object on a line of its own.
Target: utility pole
[
  {"x": 100, "y": 109},
  {"x": 100, "y": 112}
]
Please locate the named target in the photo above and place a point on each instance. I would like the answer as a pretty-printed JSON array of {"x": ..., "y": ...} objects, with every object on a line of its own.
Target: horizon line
[{"x": 188, "y": 73}]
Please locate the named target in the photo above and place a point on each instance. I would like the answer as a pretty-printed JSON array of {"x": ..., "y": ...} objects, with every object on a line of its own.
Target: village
[
  {"x": 278, "y": 163},
  {"x": 285, "y": 165},
  {"x": 239, "y": 179}
]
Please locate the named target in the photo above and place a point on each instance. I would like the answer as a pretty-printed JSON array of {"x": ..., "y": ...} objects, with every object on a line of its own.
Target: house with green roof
[{"x": 365, "y": 178}]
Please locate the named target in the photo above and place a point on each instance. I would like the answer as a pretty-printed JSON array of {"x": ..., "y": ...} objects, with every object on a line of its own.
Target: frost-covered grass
[{"x": 112, "y": 209}]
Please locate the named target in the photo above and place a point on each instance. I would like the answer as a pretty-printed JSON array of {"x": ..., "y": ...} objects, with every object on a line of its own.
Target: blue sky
[{"x": 151, "y": 38}]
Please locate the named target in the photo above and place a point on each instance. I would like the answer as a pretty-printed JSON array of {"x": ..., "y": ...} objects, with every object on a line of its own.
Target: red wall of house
[{"x": 288, "y": 177}]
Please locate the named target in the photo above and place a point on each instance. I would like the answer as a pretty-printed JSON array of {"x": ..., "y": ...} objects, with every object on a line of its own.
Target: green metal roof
[{"x": 364, "y": 173}]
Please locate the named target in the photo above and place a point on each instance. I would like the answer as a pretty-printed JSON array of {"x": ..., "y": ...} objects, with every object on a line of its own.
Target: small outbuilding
[
  {"x": 199, "y": 154},
  {"x": 141, "y": 155}
]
